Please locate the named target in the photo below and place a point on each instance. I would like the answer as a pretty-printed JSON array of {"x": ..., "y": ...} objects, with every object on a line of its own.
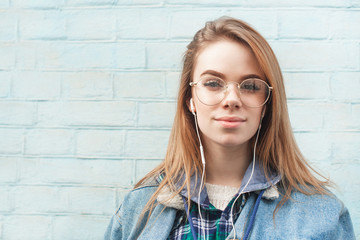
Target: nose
[{"x": 232, "y": 97}]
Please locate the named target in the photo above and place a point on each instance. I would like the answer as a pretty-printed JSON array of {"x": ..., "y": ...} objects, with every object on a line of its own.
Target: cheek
[
  {"x": 254, "y": 119},
  {"x": 202, "y": 116},
  {"x": 255, "y": 114}
]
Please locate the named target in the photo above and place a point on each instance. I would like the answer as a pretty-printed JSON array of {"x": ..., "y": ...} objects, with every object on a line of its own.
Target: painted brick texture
[{"x": 88, "y": 89}]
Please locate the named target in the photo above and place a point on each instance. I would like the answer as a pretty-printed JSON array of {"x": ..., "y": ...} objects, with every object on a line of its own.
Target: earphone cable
[
  {"x": 202, "y": 175},
  {"x": 251, "y": 175}
]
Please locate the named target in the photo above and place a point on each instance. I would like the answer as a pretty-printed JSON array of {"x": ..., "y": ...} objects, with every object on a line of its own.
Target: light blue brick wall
[{"x": 88, "y": 88}]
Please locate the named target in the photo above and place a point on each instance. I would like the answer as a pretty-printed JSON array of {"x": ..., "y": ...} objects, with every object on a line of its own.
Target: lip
[{"x": 230, "y": 121}]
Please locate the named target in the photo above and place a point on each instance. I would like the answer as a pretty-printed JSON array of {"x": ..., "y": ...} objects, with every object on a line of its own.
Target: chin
[{"x": 232, "y": 143}]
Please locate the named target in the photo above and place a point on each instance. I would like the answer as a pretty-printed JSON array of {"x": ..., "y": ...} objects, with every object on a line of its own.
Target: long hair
[{"x": 277, "y": 149}]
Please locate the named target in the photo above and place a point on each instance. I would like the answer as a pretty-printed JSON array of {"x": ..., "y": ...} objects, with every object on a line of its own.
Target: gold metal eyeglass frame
[{"x": 193, "y": 84}]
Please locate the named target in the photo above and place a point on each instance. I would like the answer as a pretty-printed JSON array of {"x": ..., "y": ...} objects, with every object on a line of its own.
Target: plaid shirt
[{"x": 216, "y": 223}]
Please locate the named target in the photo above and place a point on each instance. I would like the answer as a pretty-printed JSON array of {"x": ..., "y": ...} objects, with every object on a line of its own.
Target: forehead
[{"x": 228, "y": 57}]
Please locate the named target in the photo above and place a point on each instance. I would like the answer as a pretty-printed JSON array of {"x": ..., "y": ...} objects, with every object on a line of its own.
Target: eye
[
  {"x": 213, "y": 84},
  {"x": 251, "y": 85}
]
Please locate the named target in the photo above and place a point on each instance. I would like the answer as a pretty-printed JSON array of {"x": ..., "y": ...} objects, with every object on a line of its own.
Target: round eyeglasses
[{"x": 211, "y": 90}]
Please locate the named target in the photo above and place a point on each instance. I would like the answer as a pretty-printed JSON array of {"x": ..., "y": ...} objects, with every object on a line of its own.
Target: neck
[{"x": 227, "y": 165}]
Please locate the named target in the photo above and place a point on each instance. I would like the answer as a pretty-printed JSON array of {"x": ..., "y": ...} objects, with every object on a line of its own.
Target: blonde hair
[{"x": 277, "y": 149}]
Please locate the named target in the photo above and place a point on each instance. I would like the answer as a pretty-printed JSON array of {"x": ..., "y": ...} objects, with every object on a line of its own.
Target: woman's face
[{"x": 229, "y": 123}]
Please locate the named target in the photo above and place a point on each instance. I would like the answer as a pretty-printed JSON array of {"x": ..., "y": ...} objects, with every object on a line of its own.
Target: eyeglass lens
[{"x": 253, "y": 92}]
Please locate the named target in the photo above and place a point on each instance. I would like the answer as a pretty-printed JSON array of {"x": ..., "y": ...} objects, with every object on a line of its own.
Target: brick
[
  {"x": 264, "y": 3},
  {"x": 82, "y": 56},
  {"x": 305, "y": 116},
  {"x": 307, "y": 85},
  {"x": 354, "y": 3},
  {"x": 345, "y": 146},
  {"x": 140, "y": 23},
  {"x": 297, "y": 3},
  {"x": 139, "y": 85},
  {"x": 76, "y": 171},
  {"x": 143, "y": 167},
  {"x": 316, "y": 55},
  {"x": 7, "y": 56},
  {"x": 322, "y": 167},
  {"x": 6, "y": 200},
  {"x": 46, "y": 199},
  {"x": 264, "y": 21},
  {"x": 146, "y": 144},
  {"x": 153, "y": 114},
  {"x": 86, "y": 200},
  {"x": 87, "y": 85},
  {"x": 7, "y": 26},
  {"x": 142, "y": 2},
  {"x": 79, "y": 227},
  {"x": 316, "y": 146},
  {"x": 36, "y": 85},
  {"x": 17, "y": 113},
  {"x": 6, "y": 78},
  {"x": 11, "y": 141},
  {"x": 345, "y": 186},
  {"x": 8, "y": 169},
  {"x": 207, "y": 3},
  {"x": 184, "y": 24},
  {"x": 27, "y": 227},
  {"x": 344, "y": 24},
  {"x": 92, "y": 3},
  {"x": 338, "y": 116},
  {"x": 130, "y": 55},
  {"x": 304, "y": 24},
  {"x": 164, "y": 55},
  {"x": 90, "y": 25},
  {"x": 40, "y": 25},
  {"x": 39, "y": 4},
  {"x": 172, "y": 84},
  {"x": 1, "y": 226},
  {"x": 355, "y": 116},
  {"x": 84, "y": 3},
  {"x": 4, "y": 4},
  {"x": 49, "y": 141},
  {"x": 39, "y": 200},
  {"x": 345, "y": 86},
  {"x": 119, "y": 113},
  {"x": 26, "y": 54},
  {"x": 100, "y": 143},
  {"x": 72, "y": 56},
  {"x": 147, "y": 1}
]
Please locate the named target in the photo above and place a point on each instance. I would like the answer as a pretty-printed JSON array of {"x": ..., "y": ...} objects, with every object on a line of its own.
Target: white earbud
[{"x": 192, "y": 106}]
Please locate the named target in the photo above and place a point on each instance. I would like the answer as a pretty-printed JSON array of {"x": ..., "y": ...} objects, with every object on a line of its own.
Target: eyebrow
[{"x": 222, "y": 76}]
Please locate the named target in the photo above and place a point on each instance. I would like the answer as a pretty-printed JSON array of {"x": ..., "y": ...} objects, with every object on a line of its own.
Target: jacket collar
[{"x": 258, "y": 182}]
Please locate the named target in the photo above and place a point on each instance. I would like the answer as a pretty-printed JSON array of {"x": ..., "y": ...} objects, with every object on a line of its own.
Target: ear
[{"x": 191, "y": 106}]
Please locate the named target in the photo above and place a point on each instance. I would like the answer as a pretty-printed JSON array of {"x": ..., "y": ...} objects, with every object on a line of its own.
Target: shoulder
[
  {"x": 327, "y": 204},
  {"x": 312, "y": 206},
  {"x": 125, "y": 221},
  {"x": 141, "y": 195},
  {"x": 311, "y": 217},
  {"x": 138, "y": 197}
]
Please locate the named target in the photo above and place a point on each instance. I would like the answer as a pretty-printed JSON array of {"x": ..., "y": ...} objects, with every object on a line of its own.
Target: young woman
[{"x": 232, "y": 168}]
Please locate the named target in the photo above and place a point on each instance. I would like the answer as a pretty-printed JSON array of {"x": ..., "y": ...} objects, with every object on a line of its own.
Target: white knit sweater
[{"x": 219, "y": 195}]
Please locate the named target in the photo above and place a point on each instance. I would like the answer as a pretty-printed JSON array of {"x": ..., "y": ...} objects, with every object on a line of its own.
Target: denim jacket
[{"x": 302, "y": 217}]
